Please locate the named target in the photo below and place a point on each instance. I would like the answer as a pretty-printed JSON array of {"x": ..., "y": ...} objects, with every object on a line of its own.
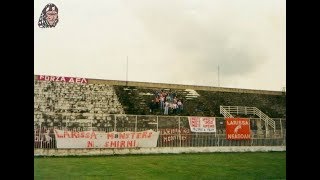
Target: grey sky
[{"x": 166, "y": 41}]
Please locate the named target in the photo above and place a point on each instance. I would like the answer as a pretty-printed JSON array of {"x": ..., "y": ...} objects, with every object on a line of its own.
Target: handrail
[{"x": 226, "y": 111}]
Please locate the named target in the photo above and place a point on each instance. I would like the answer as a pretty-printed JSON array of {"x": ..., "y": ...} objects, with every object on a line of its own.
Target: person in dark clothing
[{"x": 152, "y": 106}]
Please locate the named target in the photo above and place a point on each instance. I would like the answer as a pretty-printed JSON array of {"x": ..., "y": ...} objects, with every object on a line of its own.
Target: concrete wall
[
  {"x": 156, "y": 150},
  {"x": 178, "y": 86}
]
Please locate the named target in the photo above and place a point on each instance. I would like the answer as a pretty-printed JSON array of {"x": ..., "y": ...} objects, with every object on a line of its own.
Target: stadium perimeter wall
[{"x": 156, "y": 150}]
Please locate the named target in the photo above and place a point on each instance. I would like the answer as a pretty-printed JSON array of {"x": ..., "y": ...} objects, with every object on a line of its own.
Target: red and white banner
[
  {"x": 63, "y": 79},
  {"x": 202, "y": 124},
  {"x": 238, "y": 128},
  {"x": 170, "y": 135},
  {"x": 97, "y": 139}
]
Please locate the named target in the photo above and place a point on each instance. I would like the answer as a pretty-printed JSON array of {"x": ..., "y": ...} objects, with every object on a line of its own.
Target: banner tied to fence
[
  {"x": 98, "y": 139},
  {"x": 237, "y": 128},
  {"x": 202, "y": 124}
]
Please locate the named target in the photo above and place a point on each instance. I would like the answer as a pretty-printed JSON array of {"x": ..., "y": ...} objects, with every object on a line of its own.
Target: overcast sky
[{"x": 166, "y": 41}]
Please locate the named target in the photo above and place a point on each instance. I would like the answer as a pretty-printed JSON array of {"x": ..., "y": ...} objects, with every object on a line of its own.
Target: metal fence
[{"x": 174, "y": 130}]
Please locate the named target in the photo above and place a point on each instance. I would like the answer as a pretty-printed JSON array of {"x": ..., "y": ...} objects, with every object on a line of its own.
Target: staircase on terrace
[{"x": 227, "y": 111}]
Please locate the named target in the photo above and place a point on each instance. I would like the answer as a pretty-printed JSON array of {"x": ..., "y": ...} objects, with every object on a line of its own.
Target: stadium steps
[
  {"x": 226, "y": 111},
  {"x": 206, "y": 103}
]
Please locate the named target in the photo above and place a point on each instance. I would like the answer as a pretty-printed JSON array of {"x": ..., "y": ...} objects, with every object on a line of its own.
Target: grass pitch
[{"x": 245, "y": 165}]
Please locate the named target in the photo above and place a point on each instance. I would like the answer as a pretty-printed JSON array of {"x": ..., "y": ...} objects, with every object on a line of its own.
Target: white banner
[
  {"x": 202, "y": 124},
  {"x": 97, "y": 139}
]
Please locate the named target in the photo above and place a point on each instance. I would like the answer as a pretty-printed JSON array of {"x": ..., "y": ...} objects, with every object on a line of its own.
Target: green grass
[{"x": 245, "y": 165}]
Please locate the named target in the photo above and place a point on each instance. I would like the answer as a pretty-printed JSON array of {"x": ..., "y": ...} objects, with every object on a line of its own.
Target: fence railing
[
  {"x": 226, "y": 111},
  {"x": 174, "y": 130}
]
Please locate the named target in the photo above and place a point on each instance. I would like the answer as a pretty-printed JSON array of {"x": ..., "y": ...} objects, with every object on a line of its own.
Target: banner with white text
[
  {"x": 237, "y": 128},
  {"x": 63, "y": 79},
  {"x": 202, "y": 124},
  {"x": 97, "y": 139},
  {"x": 171, "y": 135}
]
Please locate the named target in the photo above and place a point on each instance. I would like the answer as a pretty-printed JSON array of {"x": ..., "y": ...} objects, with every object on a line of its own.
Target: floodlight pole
[
  {"x": 127, "y": 73},
  {"x": 218, "y": 77}
]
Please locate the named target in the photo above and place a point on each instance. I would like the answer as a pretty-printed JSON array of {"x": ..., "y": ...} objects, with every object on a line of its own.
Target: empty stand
[{"x": 58, "y": 103}]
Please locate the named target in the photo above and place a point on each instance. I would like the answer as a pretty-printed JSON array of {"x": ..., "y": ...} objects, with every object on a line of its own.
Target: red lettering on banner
[
  {"x": 195, "y": 122},
  {"x": 90, "y": 144},
  {"x": 113, "y": 143},
  {"x": 112, "y": 140},
  {"x": 208, "y": 126},
  {"x": 202, "y": 124},
  {"x": 130, "y": 143},
  {"x": 82, "y": 134},
  {"x": 208, "y": 123},
  {"x": 122, "y": 136},
  {"x": 127, "y": 135},
  {"x": 87, "y": 135},
  {"x": 93, "y": 135},
  {"x": 132, "y": 135},
  {"x": 138, "y": 135},
  {"x": 74, "y": 134},
  {"x": 66, "y": 134},
  {"x": 144, "y": 134},
  {"x": 106, "y": 144},
  {"x": 120, "y": 144},
  {"x": 58, "y": 135},
  {"x": 110, "y": 135}
]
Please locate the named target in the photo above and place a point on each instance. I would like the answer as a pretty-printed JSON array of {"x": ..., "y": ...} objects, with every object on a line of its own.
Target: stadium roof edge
[{"x": 175, "y": 86}]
